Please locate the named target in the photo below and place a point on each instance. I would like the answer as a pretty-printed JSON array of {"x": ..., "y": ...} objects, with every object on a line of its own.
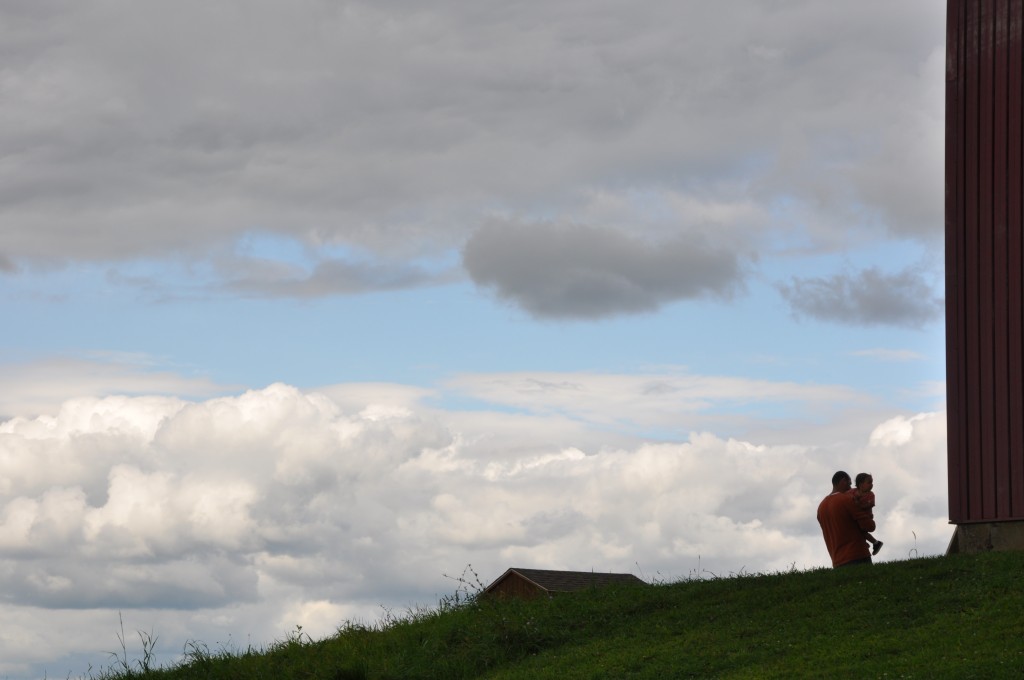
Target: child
[{"x": 865, "y": 498}]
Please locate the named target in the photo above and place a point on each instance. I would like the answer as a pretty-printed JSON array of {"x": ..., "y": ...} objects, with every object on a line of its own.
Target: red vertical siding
[
  {"x": 985, "y": 259},
  {"x": 953, "y": 185},
  {"x": 998, "y": 504},
  {"x": 1014, "y": 470},
  {"x": 973, "y": 312}
]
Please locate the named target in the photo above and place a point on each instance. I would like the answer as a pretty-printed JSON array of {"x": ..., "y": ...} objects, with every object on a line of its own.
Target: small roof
[{"x": 554, "y": 581}]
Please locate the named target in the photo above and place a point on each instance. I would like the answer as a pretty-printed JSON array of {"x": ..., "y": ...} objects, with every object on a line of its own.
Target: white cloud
[
  {"x": 187, "y": 515},
  {"x": 681, "y": 401},
  {"x": 43, "y": 386}
]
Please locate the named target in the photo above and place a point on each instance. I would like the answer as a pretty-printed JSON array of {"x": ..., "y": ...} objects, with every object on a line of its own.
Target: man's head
[{"x": 841, "y": 481}]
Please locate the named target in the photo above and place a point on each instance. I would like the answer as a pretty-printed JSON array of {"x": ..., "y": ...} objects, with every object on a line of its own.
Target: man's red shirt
[{"x": 843, "y": 524}]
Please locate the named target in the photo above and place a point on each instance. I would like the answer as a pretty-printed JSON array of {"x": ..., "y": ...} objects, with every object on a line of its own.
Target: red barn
[
  {"x": 530, "y": 583},
  {"x": 985, "y": 272}
]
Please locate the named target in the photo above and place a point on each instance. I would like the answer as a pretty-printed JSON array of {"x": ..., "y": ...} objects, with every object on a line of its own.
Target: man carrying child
[{"x": 843, "y": 524}]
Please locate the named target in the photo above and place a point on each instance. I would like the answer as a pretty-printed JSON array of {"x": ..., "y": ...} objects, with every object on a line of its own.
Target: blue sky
[
  {"x": 420, "y": 336},
  {"x": 306, "y": 305}
]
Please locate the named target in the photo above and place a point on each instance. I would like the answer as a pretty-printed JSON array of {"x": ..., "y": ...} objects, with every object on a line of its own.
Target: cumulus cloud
[
  {"x": 872, "y": 296},
  {"x": 577, "y": 271},
  {"x": 202, "y": 126},
  {"x": 295, "y": 504}
]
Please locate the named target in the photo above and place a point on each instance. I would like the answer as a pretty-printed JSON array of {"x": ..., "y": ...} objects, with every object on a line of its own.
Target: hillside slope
[{"x": 937, "y": 617}]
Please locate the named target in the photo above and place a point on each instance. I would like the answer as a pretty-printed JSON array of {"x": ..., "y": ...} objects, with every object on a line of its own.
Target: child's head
[{"x": 864, "y": 481}]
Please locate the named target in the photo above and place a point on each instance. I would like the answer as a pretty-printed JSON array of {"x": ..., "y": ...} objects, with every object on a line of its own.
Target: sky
[{"x": 310, "y": 308}]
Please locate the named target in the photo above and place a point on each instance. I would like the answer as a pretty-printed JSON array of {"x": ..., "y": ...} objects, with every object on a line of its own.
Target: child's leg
[{"x": 875, "y": 542}]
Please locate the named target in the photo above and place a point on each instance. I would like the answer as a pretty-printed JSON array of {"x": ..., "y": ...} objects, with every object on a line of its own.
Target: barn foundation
[{"x": 972, "y": 539}]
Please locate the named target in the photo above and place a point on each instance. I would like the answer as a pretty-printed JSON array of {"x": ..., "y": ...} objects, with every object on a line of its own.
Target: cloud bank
[
  {"x": 399, "y": 131},
  {"x": 297, "y": 504}
]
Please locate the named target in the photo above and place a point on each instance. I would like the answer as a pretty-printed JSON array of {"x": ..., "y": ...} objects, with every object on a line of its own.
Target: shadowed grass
[{"x": 939, "y": 617}]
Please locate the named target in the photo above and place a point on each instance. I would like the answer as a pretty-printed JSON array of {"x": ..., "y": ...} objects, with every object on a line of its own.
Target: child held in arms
[{"x": 865, "y": 498}]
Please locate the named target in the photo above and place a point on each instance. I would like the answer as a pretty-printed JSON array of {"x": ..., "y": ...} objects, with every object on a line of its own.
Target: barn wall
[
  {"x": 985, "y": 259},
  {"x": 515, "y": 585}
]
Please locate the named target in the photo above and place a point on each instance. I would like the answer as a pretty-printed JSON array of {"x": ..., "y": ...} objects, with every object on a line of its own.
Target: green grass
[{"x": 940, "y": 617}]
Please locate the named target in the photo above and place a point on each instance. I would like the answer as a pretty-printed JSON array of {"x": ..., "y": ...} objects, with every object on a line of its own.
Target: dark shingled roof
[{"x": 567, "y": 581}]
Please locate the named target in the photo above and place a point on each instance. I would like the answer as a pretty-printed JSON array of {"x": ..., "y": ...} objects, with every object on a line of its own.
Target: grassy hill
[{"x": 937, "y": 617}]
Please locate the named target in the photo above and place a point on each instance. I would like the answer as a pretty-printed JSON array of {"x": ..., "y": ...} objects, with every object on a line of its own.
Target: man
[{"x": 843, "y": 524}]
